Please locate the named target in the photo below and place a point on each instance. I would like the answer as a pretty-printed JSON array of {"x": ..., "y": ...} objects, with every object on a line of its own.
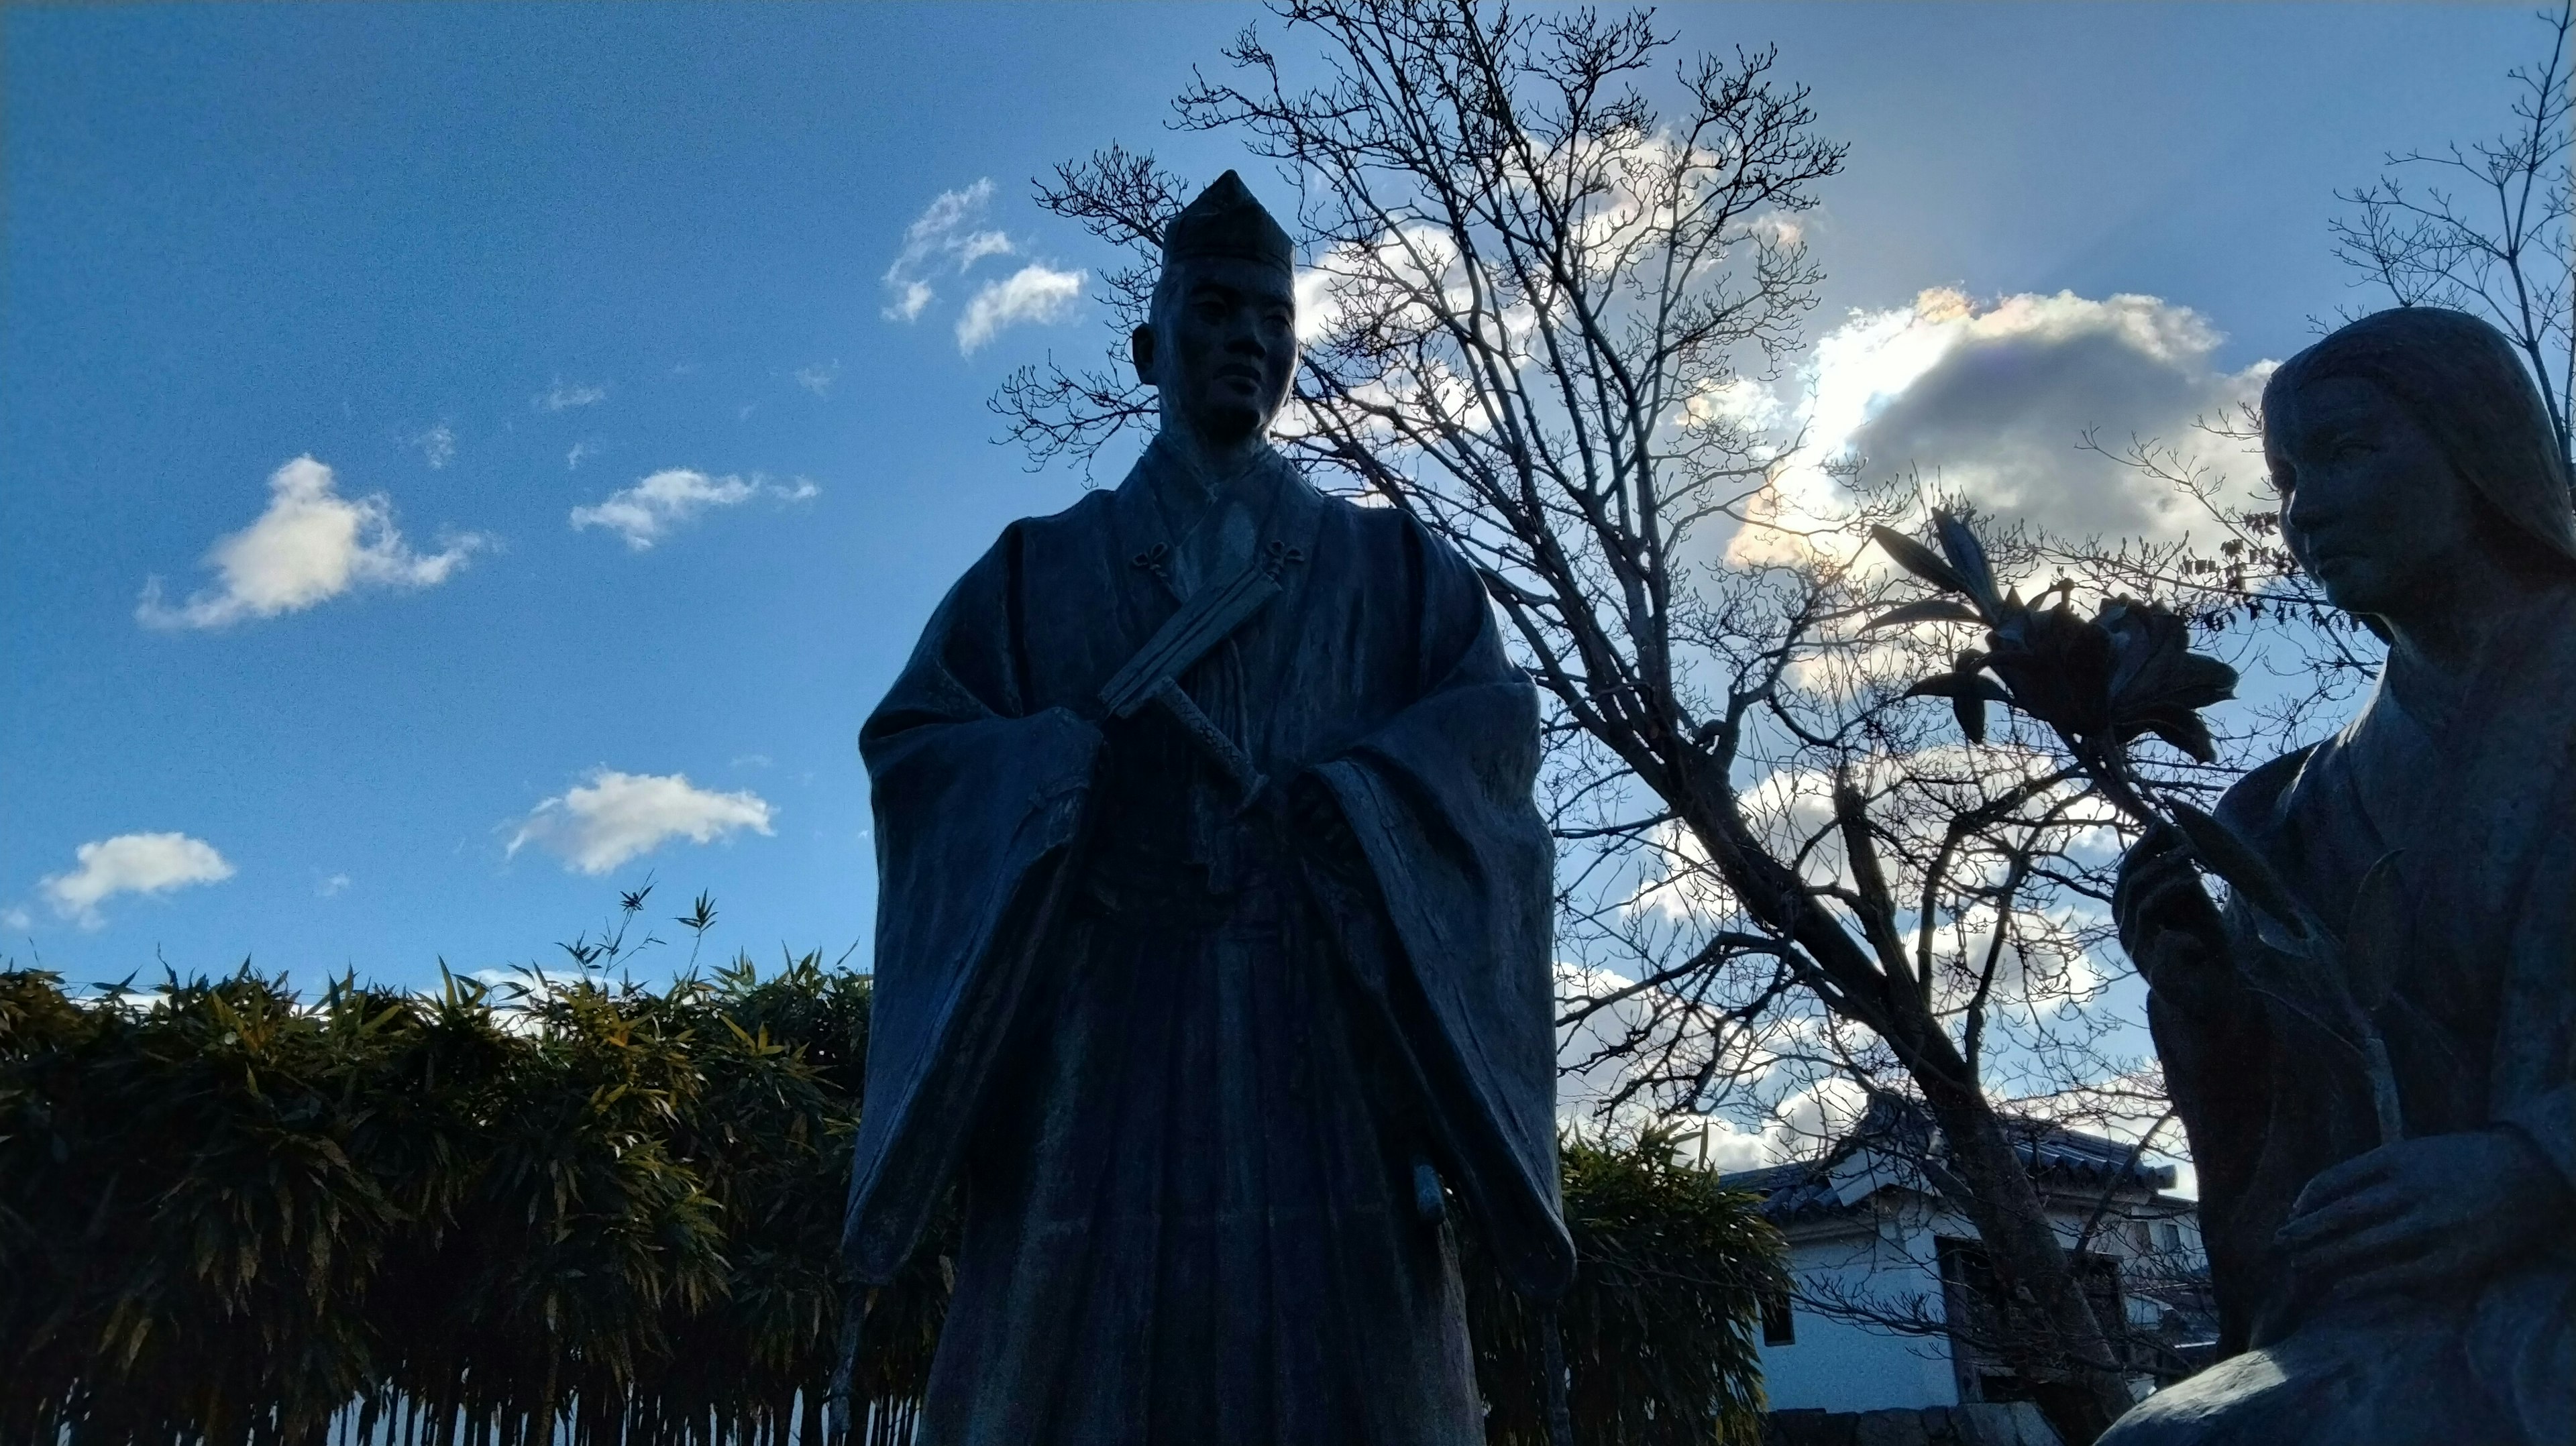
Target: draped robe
[
  {"x": 2477, "y": 794},
  {"x": 1190, "y": 1076}
]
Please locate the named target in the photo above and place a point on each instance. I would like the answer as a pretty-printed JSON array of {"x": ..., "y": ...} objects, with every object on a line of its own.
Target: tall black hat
[{"x": 1225, "y": 220}]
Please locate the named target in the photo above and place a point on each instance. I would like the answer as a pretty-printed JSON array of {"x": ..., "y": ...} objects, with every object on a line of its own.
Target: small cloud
[
  {"x": 595, "y": 827},
  {"x": 743, "y": 412},
  {"x": 560, "y": 398},
  {"x": 647, "y": 512},
  {"x": 818, "y": 378},
  {"x": 752, "y": 760},
  {"x": 438, "y": 445},
  {"x": 309, "y": 546},
  {"x": 1033, "y": 294},
  {"x": 942, "y": 237},
  {"x": 572, "y": 459},
  {"x": 130, "y": 863},
  {"x": 15, "y": 920},
  {"x": 331, "y": 886}
]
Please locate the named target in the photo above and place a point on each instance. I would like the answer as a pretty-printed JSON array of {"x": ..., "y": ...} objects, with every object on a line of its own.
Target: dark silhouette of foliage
[
  {"x": 580, "y": 1210},
  {"x": 1657, "y": 1330},
  {"x": 228, "y": 1215}
]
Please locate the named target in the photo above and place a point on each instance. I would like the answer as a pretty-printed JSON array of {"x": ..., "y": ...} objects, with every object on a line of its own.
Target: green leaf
[
  {"x": 2225, "y": 853},
  {"x": 2184, "y": 730},
  {"x": 1917, "y": 559},
  {"x": 1960, "y": 685},
  {"x": 2379, "y": 933},
  {"x": 1967, "y": 557},
  {"x": 1928, "y": 610},
  {"x": 1971, "y": 713}
]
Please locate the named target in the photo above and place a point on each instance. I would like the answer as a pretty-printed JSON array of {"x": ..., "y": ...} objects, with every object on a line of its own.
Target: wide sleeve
[
  {"x": 1439, "y": 799},
  {"x": 977, "y": 800},
  {"x": 2213, "y": 1036}
]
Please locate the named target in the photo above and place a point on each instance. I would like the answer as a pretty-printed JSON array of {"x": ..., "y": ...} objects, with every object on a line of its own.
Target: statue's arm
[
  {"x": 2548, "y": 1121},
  {"x": 1438, "y": 817},
  {"x": 978, "y": 796}
]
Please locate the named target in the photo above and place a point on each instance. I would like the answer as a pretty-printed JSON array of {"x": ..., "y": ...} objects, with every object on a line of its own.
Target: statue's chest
[{"x": 1330, "y": 656}]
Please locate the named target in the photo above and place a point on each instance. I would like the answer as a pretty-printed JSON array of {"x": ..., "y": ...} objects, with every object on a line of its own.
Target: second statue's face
[
  {"x": 2370, "y": 505},
  {"x": 1222, "y": 348}
]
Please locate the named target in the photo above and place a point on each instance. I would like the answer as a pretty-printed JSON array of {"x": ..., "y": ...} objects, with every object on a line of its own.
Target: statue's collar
[{"x": 1290, "y": 509}]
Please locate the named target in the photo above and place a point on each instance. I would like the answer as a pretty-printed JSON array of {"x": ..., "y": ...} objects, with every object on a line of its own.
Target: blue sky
[{"x": 506, "y": 267}]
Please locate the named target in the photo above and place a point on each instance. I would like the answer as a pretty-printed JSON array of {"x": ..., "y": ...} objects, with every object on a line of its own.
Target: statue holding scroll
[
  {"x": 2398, "y": 1276},
  {"x": 1212, "y": 958}
]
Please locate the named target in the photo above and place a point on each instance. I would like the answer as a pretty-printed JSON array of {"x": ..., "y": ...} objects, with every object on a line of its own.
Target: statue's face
[
  {"x": 1223, "y": 349},
  {"x": 2372, "y": 508}
]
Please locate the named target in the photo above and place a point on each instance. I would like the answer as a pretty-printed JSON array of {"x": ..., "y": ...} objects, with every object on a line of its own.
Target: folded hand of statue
[
  {"x": 1313, "y": 828},
  {"x": 2421, "y": 1211}
]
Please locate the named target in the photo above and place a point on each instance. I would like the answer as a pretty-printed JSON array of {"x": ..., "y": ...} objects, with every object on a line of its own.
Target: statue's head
[
  {"x": 2407, "y": 446},
  {"x": 1220, "y": 341}
]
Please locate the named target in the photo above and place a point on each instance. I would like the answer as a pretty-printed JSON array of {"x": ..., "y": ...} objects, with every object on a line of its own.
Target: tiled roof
[{"x": 1898, "y": 1131}]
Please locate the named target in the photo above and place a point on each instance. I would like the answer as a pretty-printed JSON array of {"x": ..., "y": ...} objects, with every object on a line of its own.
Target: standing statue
[
  {"x": 2423, "y": 1290},
  {"x": 1212, "y": 946}
]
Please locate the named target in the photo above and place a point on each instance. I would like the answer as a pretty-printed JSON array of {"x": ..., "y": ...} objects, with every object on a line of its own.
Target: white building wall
[
  {"x": 1886, "y": 1251},
  {"x": 1839, "y": 1364}
]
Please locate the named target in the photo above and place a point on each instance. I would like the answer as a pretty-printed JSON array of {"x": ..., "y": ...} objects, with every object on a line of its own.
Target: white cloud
[
  {"x": 438, "y": 445},
  {"x": 331, "y": 886},
  {"x": 572, "y": 459},
  {"x": 1815, "y": 1119},
  {"x": 818, "y": 377},
  {"x": 309, "y": 546},
  {"x": 942, "y": 237},
  {"x": 1989, "y": 401},
  {"x": 131, "y": 863},
  {"x": 15, "y": 920},
  {"x": 1034, "y": 293},
  {"x": 560, "y": 397},
  {"x": 594, "y": 827},
  {"x": 648, "y": 511}
]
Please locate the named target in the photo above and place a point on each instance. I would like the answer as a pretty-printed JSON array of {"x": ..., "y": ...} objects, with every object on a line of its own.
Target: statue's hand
[
  {"x": 2438, "y": 1208},
  {"x": 1317, "y": 831},
  {"x": 2167, "y": 923}
]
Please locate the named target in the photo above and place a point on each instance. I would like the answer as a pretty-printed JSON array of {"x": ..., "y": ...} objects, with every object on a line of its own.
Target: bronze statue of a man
[
  {"x": 2420, "y": 1292},
  {"x": 1213, "y": 936}
]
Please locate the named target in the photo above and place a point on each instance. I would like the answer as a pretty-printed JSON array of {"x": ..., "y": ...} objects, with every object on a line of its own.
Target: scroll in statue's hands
[
  {"x": 2442, "y": 1207},
  {"x": 2168, "y": 925}
]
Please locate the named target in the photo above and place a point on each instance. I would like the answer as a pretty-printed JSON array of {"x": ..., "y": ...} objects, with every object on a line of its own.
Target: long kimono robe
[
  {"x": 1190, "y": 1075},
  {"x": 2479, "y": 795}
]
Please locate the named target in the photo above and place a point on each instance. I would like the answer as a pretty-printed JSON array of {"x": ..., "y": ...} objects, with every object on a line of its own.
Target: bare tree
[
  {"x": 1541, "y": 317},
  {"x": 2486, "y": 228}
]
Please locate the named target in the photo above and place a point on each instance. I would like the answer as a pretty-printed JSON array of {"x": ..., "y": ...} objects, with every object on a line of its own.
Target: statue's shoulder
[
  {"x": 1046, "y": 535},
  {"x": 1087, "y": 517},
  {"x": 1384, "y": 530}
]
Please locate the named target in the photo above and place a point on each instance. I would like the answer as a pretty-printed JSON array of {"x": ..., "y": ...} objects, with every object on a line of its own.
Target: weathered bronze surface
[
  {"x": 1208, "y": 950},
  {"x": 2420, "y": 1290}
]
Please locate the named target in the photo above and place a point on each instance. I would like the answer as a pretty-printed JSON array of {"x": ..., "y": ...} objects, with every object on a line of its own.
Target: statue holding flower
[{"x": 2372, "y": 1043}]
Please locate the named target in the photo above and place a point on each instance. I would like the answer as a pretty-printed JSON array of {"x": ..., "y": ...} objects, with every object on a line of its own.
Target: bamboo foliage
[
  {"x": 596, "y": 1212},
  {"x": 1671, "y": 1269},
  {"x": 577, "y": 1210}
]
